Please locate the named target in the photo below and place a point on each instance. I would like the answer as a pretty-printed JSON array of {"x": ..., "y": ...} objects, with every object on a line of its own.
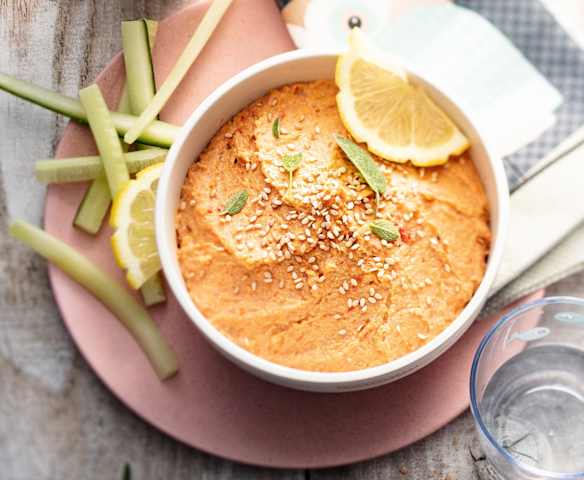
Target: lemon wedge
[
  {"x": 132, "y": 216},
  {"x": 396, "y": 119}
]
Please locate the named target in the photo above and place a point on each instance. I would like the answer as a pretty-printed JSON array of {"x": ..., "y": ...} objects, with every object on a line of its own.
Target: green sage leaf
[
  {"x": 236, "y": 203},
  {"x": 364, "y": 163},
  {"x": 385, "y": 230}
]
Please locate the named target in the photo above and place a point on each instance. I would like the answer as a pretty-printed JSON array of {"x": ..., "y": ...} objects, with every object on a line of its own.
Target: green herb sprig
[
  {"x": 236, "y": 203},
  {"x": 276, "y": 128},
  {"x": 366, "y": 166},
  {"x": 291, "y": 164},
  {"x": 385, "y": 230}
]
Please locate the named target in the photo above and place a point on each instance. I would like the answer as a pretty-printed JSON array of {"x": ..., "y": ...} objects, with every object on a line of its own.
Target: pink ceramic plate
[{"x": 211, "y": 404}]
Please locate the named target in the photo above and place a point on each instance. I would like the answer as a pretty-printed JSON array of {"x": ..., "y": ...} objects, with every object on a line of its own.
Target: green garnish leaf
[
  {"x": 291, "y": 164},
  {"x": 236, "y": 203},
  {"x": 276, "y": 128},
  {"x": 385, "y": 230},
  {"x": 127, "y": 472},
  {"x": 365, "y": 164}
]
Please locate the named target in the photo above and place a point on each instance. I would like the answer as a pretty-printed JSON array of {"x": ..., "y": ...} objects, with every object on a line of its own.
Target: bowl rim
[
  {"x": 288, "y": 375},
  {"x": 473, "y": 387}
]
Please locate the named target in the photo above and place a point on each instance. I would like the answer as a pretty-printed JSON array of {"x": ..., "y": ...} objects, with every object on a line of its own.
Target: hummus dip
[{"x": 297, "y": 277}]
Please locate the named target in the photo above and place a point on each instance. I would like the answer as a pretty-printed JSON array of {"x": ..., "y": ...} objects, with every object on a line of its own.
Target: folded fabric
[{"x": 546, "y": 235}]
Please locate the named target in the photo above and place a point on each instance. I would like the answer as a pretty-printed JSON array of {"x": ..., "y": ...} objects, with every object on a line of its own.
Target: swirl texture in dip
[{"x": 298, "y": 278}]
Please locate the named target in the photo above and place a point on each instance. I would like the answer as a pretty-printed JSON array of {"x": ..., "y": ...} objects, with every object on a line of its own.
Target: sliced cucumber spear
[
  {"x": 133, "y": 316},
  {"x": 138, "y": 40},
  {"x": 97, "y": 199},
  {"x": 158, "y": 134},
  {"x": 106, "y": 139},
  {"x": 139, "y": 72},
  {"x": 188, "y": 56},
  {"x": 153, "y": 291},
  {"x": 81, "y": 169},
  {"x": 94, "y": 206}
]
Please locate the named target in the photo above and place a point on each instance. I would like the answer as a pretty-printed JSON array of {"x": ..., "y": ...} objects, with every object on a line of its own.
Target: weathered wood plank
[{"x": 56, "y": 419}]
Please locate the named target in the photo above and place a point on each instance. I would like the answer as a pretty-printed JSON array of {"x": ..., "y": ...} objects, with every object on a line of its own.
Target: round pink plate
[{"x": 211, "y": 404}]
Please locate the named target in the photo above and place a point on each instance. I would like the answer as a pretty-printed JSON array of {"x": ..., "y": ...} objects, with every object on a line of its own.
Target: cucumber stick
[
  {"x": 159, "y": 134},
  {"x": 81, "y": 169},
  {"x": 139, "y": 73},
  {"x": 97, "y": 199},
  {"x": 188, "y": 56},
  {"x": 153, "y": 291},
  {"x": 94, "y": 206},
  {"x": 138, "y": 40},
  {"x": 132, "y": 315},
  {"x": 106, "y": 138}
]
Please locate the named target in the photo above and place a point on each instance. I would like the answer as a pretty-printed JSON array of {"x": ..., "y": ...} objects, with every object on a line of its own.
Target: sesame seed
[
  {"x": 254, "y": 285},
  {"x": 342, "y": 332},
  {"x": 349, "y": 303},
  {"x": 236, "y": 289},
  {"x": 354, "y": 282},
  {"x": 378, "y": 296},
  {"x": 362, "y": 302},
  {"x": 434, "y": 241},
  {"x": 372, "y": 300},
  {"x": 314, "y": 287},
  {"x": 299, "y": 286},
  {"x": 342, "y": 291},
  {"x": 290, "y": 268},
  {"x": 312, "y": 260},
  {"x": 447, "y": 268},
  {"x": 229, "y": 135},
  {"x": 364, "y": 308},
  {"x": 281, "y": 284}
]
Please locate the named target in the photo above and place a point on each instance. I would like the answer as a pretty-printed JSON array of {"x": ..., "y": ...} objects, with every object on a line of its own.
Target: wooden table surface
[{"x": 57, "y": 421}]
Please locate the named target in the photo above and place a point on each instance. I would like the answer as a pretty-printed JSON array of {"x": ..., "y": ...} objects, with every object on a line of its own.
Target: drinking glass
[{"x": 527, "y": 391}]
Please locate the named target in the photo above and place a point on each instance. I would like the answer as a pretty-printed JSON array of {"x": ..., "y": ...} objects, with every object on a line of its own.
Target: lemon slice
[
  {"x": 396, "y": 119},
  {"x": 134, "y": 242}
]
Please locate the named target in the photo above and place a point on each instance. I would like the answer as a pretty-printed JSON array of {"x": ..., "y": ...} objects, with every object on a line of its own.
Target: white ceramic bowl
[{"x": 221, "y": 105}]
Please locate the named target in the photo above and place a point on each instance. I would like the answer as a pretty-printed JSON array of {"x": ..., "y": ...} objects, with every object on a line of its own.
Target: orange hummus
[{"x": 297, "y": 277}]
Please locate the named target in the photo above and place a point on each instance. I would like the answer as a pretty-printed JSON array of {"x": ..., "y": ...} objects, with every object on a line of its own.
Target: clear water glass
[{"x": 527, "y": 391}]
